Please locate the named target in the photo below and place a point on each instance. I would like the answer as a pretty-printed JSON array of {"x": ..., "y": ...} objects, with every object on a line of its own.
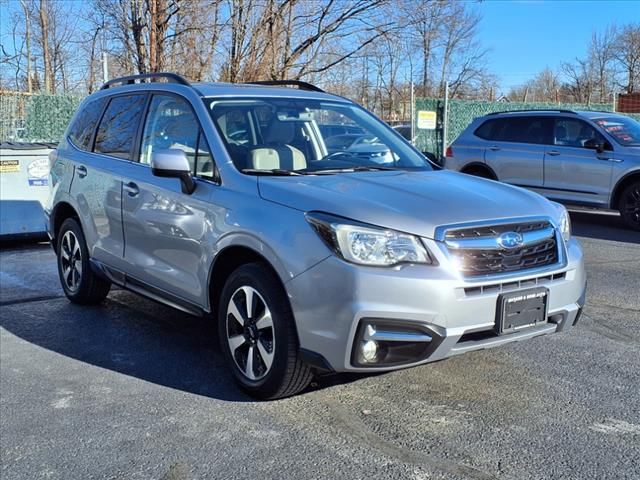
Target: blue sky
[{"x": 527, "y": 36}]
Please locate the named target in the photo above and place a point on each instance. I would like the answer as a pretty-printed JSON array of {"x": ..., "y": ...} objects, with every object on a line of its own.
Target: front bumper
[{"x": 330, "y": 301}]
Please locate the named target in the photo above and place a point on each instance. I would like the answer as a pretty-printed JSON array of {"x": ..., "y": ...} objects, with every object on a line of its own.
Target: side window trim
[{"x": 137, "y": 142}]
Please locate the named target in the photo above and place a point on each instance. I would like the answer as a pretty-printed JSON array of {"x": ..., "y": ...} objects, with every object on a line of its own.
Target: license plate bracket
[{"x": 522, "y": 309}]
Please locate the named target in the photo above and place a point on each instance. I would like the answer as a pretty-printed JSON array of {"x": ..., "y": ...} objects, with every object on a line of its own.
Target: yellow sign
[
  {"x": 426, "y": 120},
  {"x": 9, "y": 166}
]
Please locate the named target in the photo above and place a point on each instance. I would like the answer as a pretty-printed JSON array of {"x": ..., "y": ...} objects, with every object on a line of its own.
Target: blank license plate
[{"x": 523, "y": 309}]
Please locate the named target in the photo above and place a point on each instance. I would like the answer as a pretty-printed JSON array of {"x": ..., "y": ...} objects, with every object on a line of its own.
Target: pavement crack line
[
  {"x": 357, "y": 430},
  {"x": 41, "y": 298}
]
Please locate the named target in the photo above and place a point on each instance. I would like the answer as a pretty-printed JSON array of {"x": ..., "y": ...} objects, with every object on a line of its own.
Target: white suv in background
[{"x": 589, "y": 159}]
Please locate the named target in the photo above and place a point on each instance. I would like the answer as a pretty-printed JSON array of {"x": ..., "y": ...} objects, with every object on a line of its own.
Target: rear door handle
[
  {"x": 82, "y": 171},
  {"x": 131, "y": 189},
  {"x": 494, "y": 148},
  {"x": 553, "y": 153}
]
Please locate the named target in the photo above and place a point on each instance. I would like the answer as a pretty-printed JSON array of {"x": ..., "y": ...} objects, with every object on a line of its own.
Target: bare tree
[{"x": 627, "y": 53}]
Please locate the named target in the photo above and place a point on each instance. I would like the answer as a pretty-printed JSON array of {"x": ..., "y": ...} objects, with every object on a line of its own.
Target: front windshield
[
  {"x": 299, "y": 136},
  {"x": 626, "y": 131}
]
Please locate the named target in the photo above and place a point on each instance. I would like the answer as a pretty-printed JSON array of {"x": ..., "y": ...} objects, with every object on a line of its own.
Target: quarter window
[
  {"x": 119, "y": 125},
  {"x": 84, "y": 124}
]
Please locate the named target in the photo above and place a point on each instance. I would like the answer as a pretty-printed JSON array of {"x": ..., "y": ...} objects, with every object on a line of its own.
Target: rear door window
[
  {"x": 119, "y": 125},
  {"x": 534, "y": 130},
  {"x": 84, "y": 124}
]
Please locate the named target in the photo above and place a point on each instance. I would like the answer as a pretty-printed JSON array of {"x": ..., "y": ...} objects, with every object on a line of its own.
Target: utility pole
[
  {"x": 28, "y": 41},
  {"x": 445, "y": 119},
  {"x": 105, "y": 67},
  {"x": 413, "y": 113}
]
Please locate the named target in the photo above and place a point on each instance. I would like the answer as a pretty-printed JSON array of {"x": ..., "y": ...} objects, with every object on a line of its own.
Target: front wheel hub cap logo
[{"x": 510, "y": 240}]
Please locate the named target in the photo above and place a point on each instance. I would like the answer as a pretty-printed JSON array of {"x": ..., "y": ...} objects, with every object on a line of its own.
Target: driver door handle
[
  {"x": 494, "y": 148},
  {"x": 553, "y": 153},
  {"x": 131, "y": 189},
  {"x": 82, "y": 171}
]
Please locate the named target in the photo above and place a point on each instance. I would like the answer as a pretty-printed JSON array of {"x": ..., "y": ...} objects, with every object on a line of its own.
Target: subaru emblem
[{"x": 510, "y": 240}]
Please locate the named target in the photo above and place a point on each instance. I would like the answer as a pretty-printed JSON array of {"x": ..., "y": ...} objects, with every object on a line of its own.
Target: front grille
[
  {"x": 540, "y": 248},
  {"x": 495, "y": 230}
]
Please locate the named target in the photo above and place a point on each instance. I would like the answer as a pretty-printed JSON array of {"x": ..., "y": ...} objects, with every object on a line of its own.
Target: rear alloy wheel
[
  {"x": 258, "y": 334},
  {"x": 79, "y": 282},
  {"x": 630, "y": 206}
]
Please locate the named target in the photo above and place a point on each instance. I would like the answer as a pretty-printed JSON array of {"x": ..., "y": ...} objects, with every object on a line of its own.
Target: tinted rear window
[
  {"x": 517, "y": 129},
  {"x": 84, "y": 124},
  {"x": 119, "y": 125}
]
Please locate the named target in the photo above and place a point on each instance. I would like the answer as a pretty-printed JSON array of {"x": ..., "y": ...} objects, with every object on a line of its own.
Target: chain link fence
[
  {"x": 44, "y": 118},
  {"x": 35, "y": 118},
  {"x": 462, "y": 112}
]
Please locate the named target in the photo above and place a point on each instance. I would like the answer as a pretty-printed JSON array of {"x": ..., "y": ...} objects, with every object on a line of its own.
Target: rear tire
[
  {"x": 258, "y": 335},
  {"x": 80, "y": 284},
  {"x": 629, "y": 206}
]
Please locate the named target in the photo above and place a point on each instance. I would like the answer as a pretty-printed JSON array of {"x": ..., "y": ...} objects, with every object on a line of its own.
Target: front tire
[
  {"x": 630, "y": 206},
  {"x": 80, "y": 284},
  {"x": 258, "y": 336}
]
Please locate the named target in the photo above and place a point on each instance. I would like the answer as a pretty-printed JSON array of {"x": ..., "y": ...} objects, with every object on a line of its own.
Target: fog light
[{"x": 369, "y": 350}]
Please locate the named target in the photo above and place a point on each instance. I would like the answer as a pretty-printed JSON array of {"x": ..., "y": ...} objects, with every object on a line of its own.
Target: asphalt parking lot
[{"x": 135, "y": 390}]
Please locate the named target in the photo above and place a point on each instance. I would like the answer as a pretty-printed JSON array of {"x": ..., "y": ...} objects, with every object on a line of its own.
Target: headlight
[
  {"x": 366, "y": 244},
  {"x": 564, "y": 222}
]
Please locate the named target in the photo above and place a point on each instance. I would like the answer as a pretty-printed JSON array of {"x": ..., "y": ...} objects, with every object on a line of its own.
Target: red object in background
[{"x": 628, "y": 103}]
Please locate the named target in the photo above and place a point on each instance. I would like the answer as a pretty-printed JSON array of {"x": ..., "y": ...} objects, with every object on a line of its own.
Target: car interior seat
[
  {"x": 561, "y": 135},
  {"x": 277, "y": 151}
]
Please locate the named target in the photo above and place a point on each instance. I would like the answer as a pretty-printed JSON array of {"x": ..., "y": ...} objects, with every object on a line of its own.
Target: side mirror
[
  {"x": 173, "y": 163},
  {"x": 594, "y": 144}
]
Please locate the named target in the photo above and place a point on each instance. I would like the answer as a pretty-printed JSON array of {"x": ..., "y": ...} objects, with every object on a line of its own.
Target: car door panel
[
  {"x": 574, "y": 173},
  {"x": 98, "y": 193},
  {"x": 516, "y": 163},
  {"x": 169, "y": 234},
  {"x": 515, "y": 148}
]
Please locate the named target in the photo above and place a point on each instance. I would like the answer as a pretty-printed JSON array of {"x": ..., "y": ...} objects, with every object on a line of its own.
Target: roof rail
[
  {"x": 131, "y": 79},
  {"x": 295, "y": 83},
  {"x": 534, "y": 110}
]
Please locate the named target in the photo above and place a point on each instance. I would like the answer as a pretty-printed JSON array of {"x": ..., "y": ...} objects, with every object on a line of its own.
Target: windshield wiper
[
  {"x": 272, "y": 171},
  {"x": 358, "y": 168}
]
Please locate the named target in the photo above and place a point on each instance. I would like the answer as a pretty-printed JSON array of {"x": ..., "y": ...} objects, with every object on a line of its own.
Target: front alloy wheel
[
  {"x": 630, "y": 206},
  {"x": 258, "y": 334},
  {"x": 250, "y": 333}
]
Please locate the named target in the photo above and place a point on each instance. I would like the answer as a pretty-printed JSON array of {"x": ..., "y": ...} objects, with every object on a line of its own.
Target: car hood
[{"x": 412, "y": 202}]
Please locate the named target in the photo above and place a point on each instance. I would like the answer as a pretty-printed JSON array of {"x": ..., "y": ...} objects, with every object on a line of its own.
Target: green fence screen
[
  {"x": 462, "y": 112},
  {"x": 35, "y": 118},
  {"x": 44, "y": 118}
]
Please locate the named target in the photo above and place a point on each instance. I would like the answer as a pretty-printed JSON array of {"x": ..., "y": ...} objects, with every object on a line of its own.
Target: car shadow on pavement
[
  {"x": 139, "y": 338},
  {"x": 602, "y": 226}
]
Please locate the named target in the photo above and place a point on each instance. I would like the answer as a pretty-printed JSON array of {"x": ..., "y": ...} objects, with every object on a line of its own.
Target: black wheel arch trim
[
  {"x": 619, "y": 187},
  {"x": 481, "y": 165}
]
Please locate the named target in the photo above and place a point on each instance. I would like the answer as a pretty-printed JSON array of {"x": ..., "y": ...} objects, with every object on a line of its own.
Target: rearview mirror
[
  {"x": 173, "y": 163},
  {"x": 594, "y": 144}
]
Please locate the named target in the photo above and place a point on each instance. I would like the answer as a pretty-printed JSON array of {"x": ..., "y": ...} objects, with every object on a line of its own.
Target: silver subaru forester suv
[
  {"x": 589, "y": 159},
  {"x": 226, "y": 201}
]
